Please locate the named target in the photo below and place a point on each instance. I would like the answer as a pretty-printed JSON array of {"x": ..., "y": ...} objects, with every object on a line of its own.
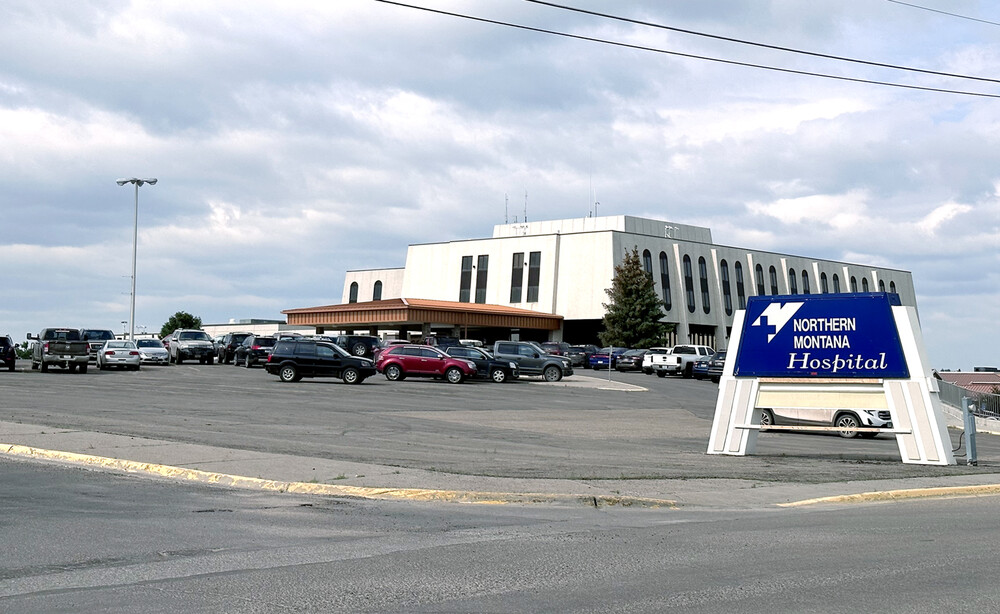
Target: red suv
[{"x": 401, "y": 361}]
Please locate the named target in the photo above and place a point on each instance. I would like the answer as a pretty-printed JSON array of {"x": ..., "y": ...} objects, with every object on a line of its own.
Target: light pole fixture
[{"x": 135, "y": 239}]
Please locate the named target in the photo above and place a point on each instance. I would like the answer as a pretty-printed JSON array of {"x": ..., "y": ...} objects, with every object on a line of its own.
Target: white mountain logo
[{"x": 777, "y": 316}]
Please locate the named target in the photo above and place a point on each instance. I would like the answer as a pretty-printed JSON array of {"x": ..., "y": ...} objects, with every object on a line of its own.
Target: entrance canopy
[{"x": 418, "y": 313}]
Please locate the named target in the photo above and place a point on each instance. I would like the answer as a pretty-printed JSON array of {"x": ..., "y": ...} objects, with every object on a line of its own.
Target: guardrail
[{"x": 987, "y": 405}]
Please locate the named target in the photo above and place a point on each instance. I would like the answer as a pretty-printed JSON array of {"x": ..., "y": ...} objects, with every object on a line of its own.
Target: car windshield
[
  {"x": 149, "y": 343},
  {"x": 263, "y": 342},
  {"x": 98, "y": 335},
  {"x": 121, "y": 345},
  {"x": 194, "y": 336},
  {"x": 62, "y": 335}
]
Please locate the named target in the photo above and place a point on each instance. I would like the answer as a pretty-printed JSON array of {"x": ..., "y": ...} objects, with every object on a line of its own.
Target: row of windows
[
  {"x": 727, "y": 296},
  {"x": 516, "y": 277},
  {"x": 376, "y": 292}
]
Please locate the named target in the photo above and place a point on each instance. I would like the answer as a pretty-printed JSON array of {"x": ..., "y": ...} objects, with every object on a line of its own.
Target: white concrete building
[{"x": 564, "y": 267}]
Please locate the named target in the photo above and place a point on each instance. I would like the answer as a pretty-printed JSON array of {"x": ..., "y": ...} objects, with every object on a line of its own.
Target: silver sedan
[
  {"x": 152, "y": 352},
  {"x": 121, "y": 354}
]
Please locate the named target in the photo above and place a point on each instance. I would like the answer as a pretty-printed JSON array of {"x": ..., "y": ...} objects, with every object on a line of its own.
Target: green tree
[
  {"x": 633, "y": 315},
  {"x": 181, "y": 319}
]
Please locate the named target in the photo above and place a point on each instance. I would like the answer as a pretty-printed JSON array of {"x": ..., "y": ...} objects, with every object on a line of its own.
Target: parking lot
[{"x": 574, "y": 429}]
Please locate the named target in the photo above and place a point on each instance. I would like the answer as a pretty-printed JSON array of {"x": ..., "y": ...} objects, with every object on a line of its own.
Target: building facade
[{"x": 564, "y": 267}]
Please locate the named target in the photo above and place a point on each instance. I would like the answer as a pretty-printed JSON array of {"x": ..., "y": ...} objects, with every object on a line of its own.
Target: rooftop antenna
[
  {"x": 525, "y": 205},
  {"x": 505, "y": 220}
]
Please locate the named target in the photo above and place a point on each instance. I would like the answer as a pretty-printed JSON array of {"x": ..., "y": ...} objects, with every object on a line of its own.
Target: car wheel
[
  {"x": 393, "y": 373},
  {"x": 715, "y": 379},
  {"x": 848, "y": 421},
  {"x": 661, "y": 374},
  {"x": 766, "y": 418},
  {"x": 359, "y": 349},
  {"x": 688, "y": 371},
  {"x": 498, "y": 376},
  {"x": 83, "y": 368},
  {"x": 177, "y": 359},
  {"x": 647, "y": 371},
  {"x": 45, "y": 368},
  {"x": 552, "y": 374},
  {"x": 454, "y": 375},
  {"x": 34, "y": 366},
  {"x": 288, "y": 373},
  {"x": 351, "y": 376}
]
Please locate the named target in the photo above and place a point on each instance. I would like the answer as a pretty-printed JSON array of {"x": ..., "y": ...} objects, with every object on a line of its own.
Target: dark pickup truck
[{"x": 59, "y": 347}]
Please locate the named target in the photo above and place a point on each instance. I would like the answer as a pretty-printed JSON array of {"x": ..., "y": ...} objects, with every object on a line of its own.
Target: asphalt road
[
  {"x": 519, "y": 429},
  {"x": 83, "y": 541}
]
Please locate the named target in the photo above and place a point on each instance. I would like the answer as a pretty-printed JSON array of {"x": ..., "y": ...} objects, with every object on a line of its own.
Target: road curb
[
  {"x": 897, "y": 495},
  {"x": 335, "y": 490}
]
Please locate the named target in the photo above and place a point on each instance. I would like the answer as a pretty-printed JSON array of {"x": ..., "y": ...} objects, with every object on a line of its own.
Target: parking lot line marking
[{"x": 337, "y": 490}]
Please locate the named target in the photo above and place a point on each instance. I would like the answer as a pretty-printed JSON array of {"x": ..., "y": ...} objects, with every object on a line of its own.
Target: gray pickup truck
[{"x": 59, "y": 347}]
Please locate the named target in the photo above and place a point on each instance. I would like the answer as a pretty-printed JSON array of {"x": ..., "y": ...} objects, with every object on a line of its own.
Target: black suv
[
  {"x": 7, "y": 352},
  {"x": 254, "y": 349},
  {"x": 359, "y": 345},
  {"x": 486, "y": 366},
  {"x": 293, "y": 359},
  {"x": 228, "y": 345}
]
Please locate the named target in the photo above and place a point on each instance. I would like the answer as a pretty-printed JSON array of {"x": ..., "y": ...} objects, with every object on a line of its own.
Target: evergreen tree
[
  {"x": 181, "y": 319},
  {"x": 633, "y": 315}
]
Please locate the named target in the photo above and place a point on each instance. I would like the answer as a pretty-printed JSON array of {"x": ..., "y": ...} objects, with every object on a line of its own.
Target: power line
[
  {"x": 688, "y": 55},
  {"x": 763, "y": 45},
  {"x": 926, "y": 8}
]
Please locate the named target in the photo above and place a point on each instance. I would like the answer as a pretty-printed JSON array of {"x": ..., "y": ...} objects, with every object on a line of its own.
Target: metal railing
[{"x": 987, "y": 405}]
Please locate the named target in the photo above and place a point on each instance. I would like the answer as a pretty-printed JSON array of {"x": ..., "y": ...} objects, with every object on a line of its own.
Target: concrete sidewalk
[{"x": 279, "y": 472}]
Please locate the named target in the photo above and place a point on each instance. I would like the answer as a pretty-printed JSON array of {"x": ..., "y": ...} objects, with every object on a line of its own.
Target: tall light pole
[{"x": 135, "y": 240}]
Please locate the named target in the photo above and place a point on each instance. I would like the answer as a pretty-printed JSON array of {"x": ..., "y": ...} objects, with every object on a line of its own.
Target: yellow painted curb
[
  {"x": 363, "y": 492},
  {"x": 896, "y": 495}
]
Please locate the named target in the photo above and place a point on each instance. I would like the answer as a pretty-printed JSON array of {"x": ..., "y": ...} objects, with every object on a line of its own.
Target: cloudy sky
[{"x": 296, "y": 140}]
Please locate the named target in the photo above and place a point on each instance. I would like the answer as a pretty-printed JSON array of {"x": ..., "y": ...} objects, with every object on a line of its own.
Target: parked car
[
  {"x": 95, "y": 338},
  {"x": 533, "y": 360},
  {"x": 190, "y": 344},
  {"x": 630, "y": 360},
  {"x": 606, "y": 358},
  {"x": 699, "y": 368},
  {"x": 680, "y": 360},
  {"x": 152, "y": 352},
  {"x": 119, "y": 354},
  {"x": 59, "y": 347},
  {"x": 7, "y": 352},
  {"x": 359, "y": 345},
  {"x": 402, "y": 361},
  {"x": 255, "y": 350},
  {"x": 293, "y": 359},
  {"x": 556, "y": 348},
  {"x": 842, "y": 418},
  {"x": 228, "y": 344},
  {"x": 654, "y": 355},
  {"x": 579, "y": 355},
  {"x": 486, "y": 366},
  {"x": 716, "y": 365}
]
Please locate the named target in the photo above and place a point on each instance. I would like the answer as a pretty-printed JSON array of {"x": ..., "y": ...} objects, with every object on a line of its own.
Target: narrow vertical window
[
  {"x": 792, "y": 286},
  {"x": 773, "y": 277},
  {"x": 892, "y": 287},
  {"x": 854, "y": 283},
  {"x": 647, "y": 262},
  {"x": 805, "y": 282},
  {"x": 759, "y": 275},
  {"x": 836, "y": 284},
  {"x": 881, "y": 286},
  {"x": 824, "y": 287},
  {"x": 703, "y": 275},
  {"x": 741, "y": 291},
  {"x": 534, "y": 272},
  {"x": 665, "y": 281},
  {"x": 482, "y": 270},
  {"x": 353, "y": 298},
  {"x": 465, "y": 285},
  {"x": 864, "y": 284},
  {"x": 727, "y": 293},
  {"x": 516, "y": 277},
  {"x": 377, "y": 291},
  {"x": 688, "y": 283}
]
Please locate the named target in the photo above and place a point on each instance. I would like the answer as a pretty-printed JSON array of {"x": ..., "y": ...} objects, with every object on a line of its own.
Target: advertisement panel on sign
[{"x": 821, "y": 335}]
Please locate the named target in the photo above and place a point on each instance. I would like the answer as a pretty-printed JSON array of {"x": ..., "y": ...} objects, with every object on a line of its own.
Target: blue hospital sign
[{"x": 821, "y": 335}]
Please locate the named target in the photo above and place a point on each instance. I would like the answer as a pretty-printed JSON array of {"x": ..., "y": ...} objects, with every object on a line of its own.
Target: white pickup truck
[{"x": 680, "y": 360}]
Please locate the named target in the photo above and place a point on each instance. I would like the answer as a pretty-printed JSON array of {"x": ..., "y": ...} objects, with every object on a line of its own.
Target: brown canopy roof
[{"x": 414, "y": 311}]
